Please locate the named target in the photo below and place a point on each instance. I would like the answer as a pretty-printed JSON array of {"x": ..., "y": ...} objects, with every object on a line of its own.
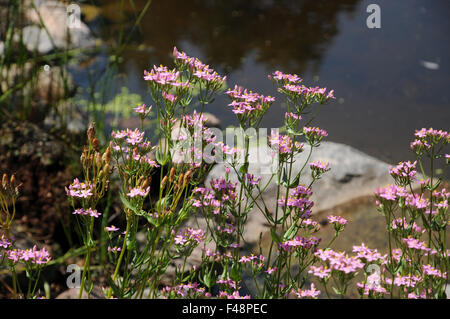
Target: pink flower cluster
[
  {"x": 320, "y": 271},
  {"x": 198, "y": 69},
  {"x": 244, "y": 101},
  {"x": 138, "y": 191},
  {"x": 186, "y": 291},
  {"x": 314, "y": 135},
  {"x": 340, "y": 261},
  {"x": 425, "y": 138},
  {"x": 404, "y": 281},
  {"x": 428, "y": 270},
  {"x": 5, "y": 242},
  {"x": 252, "y": 180},
  {"x": 79, "y": 189},
  {"x": 299, "y": 199},
  {"x": 371, "y": 287},
  {"x": 404, "y": 172},
  {"x": 368, "y": 255},
  {"x": 228, "y": 282},
  {"x": 253, "y": 259},
  {"x": 390, "y": 193},
  {"x": 292, "y": 116},
  {"x": 87, "y": 212},
  {"x": 284, "y": 78},
  {"x": 402, "y": 224},
  {"x": 190, "y": 236},
  {"x": 308, "y": 93},
  {"x": 143, "y": 110},
  {"x": 284, "y": 144},
  {"x": 309, "y": 293},
  {"x": 300, "y": 242},
  {"x": 131, "y": 137},
  {"x": 221, "y": 192},
  {"x": 234, "y": 295},
  {"x": 33, "y": 255},
  {"x": 164, "y": 78},
  {"x": 169, "y": 97},
  {"x": 414, "y": 243},
  {"x": 318, "y": 168},
  {"x": 337, "y": 220}
]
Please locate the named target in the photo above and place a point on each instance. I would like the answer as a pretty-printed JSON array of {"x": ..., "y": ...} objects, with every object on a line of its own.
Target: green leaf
[
  {"x": 336, "y": 291},
  {"x": 235, "y": 272},
  {"x": 244, "y": 168},
  {"x": 291, "y": 232},
  {"x": 115, "y": 288},
  {"x": 127, "y": 204},
  {"x": 295, "y": 182},
  {"x": 183, "y": 213},
  {"x": 284, "y": 178},
  {"x": 209, "y": 280},
  {"x": 275, "y": 237},
  {"x": 268, "y": 215},
  {"x": 162, "y": 159}
]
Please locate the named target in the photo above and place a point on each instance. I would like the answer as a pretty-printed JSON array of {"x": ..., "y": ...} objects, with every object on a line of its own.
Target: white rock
[{"x": 54, "y": 15}]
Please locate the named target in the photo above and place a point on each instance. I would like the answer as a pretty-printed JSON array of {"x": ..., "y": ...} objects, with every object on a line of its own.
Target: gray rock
[
  {"x": 56, "y": 33},
  {"x": 36, "y": 39},
  {"x": 353, "y": 174}
]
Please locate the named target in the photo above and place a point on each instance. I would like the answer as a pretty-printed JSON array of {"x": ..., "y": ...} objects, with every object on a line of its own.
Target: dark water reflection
[{"x": 384, "y": 85}]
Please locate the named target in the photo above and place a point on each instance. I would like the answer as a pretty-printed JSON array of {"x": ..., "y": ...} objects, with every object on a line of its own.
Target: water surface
[{"x": 388, "y": 81}]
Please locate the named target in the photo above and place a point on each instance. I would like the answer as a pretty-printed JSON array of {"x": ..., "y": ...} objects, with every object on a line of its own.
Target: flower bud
[
  {"x": 172, "y": 175},
  {"x": 164, "y": 182},
  {"x": 13, "y": 180},
  {"x": 5, "y": 180},
  {"x": 180, "y": 180},
  {"x": 107, "y": 169},
  {"x": 98, "y": 160},
  {"x": 107, "y": 155},
  {"x": 91, "y": 132},
  {"x": 96, "y": 144},
  {"x": 187, "y": 178}
]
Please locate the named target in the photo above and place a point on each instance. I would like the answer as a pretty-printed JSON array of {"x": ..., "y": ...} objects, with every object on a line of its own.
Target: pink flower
[
  {"x": 318, "y": 168},
  {"x": 415, "y": 244},
  {"x": 404, "y": 172},
  {"x": 337, "y": 219},
  {"x": 284, "y": 78},
  {"x": 111, "y": 228},
  {"x": 5, "y": 242},
  {"x": 138, "y": 191},
  {"x": 271, "y": 270},
  {"x": 143, "y": 110},
  {"x": 320, "y": 272},
  {"x": 78, "y": 189},
  {"x": 428, "y": 270},
  {"x": 85, "y": 212},
  {"x": 169, "y": 97},
  {"x": 314, "y": 135},
  {"x": 367, "y": 254},
  {"x": 311, "y": 293},
  {"x": 114, "y": 249}
]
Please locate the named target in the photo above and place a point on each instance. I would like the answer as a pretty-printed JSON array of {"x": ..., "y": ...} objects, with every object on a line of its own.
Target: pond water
[{"x": 388, "y": 81}]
